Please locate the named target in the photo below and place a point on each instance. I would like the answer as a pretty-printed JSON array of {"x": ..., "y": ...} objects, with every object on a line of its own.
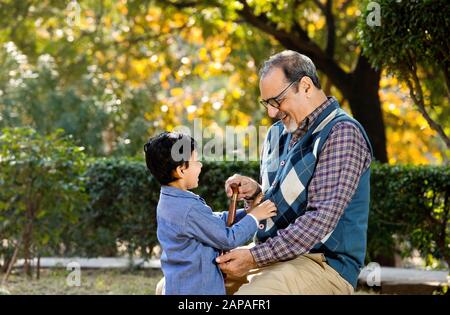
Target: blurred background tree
[
  {"x": 42, "y": 191},
  {"x": 123, "y": 70},
  {"x": 412, "y": 43}
]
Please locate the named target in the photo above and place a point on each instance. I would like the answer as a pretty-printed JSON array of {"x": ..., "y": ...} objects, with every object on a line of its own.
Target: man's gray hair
[{"x": 293, "y": 64}]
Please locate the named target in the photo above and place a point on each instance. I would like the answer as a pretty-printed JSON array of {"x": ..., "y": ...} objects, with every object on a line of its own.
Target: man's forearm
[{"x": 297, "y": 239}]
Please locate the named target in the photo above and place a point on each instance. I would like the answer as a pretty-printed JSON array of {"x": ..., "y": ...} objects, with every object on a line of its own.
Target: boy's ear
[{"x": 178, "y": 172}]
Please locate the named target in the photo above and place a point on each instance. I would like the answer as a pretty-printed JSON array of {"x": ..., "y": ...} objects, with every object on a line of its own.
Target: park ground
[
  {"x": 93, "y": 282},
  {"x": 142, "y": 282}
]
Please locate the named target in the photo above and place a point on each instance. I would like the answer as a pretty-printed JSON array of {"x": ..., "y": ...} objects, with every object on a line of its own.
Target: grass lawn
[
  {"x": 94, "y": 281},
  {"x": 136, "y": 282}
]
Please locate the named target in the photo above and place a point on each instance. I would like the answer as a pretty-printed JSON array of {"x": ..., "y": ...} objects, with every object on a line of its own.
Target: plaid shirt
[{"x": 343, "y": 159}]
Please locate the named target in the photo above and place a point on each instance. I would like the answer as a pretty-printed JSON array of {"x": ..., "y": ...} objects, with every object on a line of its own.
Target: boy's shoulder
[
  {"x": 177, "y": 210},
  {"x": 174, "y": 200}
]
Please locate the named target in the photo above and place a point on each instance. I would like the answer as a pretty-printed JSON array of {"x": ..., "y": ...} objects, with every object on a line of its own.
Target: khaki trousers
[{"x": 307, "y": 274}]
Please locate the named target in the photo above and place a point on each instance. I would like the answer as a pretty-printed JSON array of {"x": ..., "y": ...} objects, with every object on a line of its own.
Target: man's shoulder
[
  {"x": 347, "y": 127},
  {"x": 349, "y": 130},
  {"x": 347, "y": 135}
]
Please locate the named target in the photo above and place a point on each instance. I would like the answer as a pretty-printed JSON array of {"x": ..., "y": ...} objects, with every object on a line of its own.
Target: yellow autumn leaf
[
  {"x": 203, "y": 54},
  {"x": 176, "y": 91}
]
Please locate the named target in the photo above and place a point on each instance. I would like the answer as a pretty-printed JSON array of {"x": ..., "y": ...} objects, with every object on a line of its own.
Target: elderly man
[{"x": 315, "y": 167}]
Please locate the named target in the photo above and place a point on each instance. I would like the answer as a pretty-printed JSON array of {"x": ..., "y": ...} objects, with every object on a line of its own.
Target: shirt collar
[
  {"x": 311, "y": 118},
  {"x": 176, "y": 192}
]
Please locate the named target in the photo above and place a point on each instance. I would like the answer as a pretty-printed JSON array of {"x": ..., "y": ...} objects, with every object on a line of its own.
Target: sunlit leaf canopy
[
  {"x": 412, "y": 44},
  {"x": 160, "y": 64}
]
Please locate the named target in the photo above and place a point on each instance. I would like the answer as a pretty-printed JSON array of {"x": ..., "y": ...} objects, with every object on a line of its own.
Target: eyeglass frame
[{"x": 276, "y": 99}]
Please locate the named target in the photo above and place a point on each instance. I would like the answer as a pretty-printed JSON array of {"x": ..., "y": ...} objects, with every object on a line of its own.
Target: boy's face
[{"x": 192, "y": 172}]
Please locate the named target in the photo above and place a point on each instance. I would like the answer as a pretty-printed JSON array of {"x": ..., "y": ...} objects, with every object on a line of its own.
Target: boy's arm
[
  {"x": 240, "y": 213},
  {"x": 208, "y": 228}
]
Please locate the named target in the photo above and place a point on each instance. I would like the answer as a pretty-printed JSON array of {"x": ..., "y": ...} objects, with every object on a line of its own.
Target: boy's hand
[
  {"x": 247, "y": 186},
  {"x": 265, "y": 210}
]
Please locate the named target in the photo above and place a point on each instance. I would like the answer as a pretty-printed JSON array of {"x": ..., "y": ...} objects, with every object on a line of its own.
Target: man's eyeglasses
[{"x": 277, "y": 100}]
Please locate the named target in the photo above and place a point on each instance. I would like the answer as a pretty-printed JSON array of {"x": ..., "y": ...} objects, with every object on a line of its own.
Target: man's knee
[
  {"x": 302, "y": 275},
  {"x": 268, "y": 281}
]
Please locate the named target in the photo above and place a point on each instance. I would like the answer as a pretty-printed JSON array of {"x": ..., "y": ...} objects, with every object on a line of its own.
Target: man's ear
[{"x": 306, "y": 84}]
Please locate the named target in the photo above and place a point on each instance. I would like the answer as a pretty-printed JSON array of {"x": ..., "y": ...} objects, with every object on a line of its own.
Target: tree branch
[
  {"x": 181, "y": 5},
  {"x": 298, "y": 40},
  {"x": 327, "y": 10},
  {"x": 11, "y": 263},
  {"x": 345, "y": 4},
  {"x": 301, "y": 43},
  {"x": 331, "y": 29},
  {"x": 416, "y": 93}
]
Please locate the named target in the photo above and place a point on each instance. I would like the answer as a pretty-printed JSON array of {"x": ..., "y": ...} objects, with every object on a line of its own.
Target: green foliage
[
  {"x": 408, "y": 29},
  {"x": 121, "y": 211},
  {"x": 412, "y": 43},
  {"x": 410, "y": 207},
  {"x": 42, "y": 189},
  {"x": 34, "y": 95}
]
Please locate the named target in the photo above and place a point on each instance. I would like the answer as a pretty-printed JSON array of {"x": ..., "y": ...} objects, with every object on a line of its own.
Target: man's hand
[
  {"x": 236, "y": 263},
  {"x": 247, "y": 186}
]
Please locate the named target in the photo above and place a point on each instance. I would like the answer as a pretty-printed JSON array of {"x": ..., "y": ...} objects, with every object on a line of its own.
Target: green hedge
[
  {"x": 409, "y": 207},
  {"x": 122, "y": 205},
  {"x": 121, "y": 211}
]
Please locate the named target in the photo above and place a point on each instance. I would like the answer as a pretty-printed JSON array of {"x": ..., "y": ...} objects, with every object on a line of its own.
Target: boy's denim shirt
[{"x": 191, "y": 236}]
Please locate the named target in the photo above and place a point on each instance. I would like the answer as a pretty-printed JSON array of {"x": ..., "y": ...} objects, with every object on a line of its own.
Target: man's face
[{"x": 271, "y": 85}]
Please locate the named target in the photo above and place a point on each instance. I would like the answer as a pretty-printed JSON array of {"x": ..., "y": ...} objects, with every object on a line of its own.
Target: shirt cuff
[
  {"x": 262, "y": 255},
  {"x": 256, "y": 220}
]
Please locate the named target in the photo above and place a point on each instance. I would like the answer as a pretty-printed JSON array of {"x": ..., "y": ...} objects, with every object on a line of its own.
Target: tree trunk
[
  {"x": 364, "y": 101},
  {"x": 11, "y": 263},
  {"x": 6, "y": 260},
  {"x": 38, "y": 267},
  {"x": 27, "y": 234}
]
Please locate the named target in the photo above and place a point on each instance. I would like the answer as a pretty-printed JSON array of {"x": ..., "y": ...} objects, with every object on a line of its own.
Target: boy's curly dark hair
[{"x": 165, "y": 152}]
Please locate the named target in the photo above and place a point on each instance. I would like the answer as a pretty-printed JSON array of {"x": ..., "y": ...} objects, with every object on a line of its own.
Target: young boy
[{"x": 190, "y": 233}]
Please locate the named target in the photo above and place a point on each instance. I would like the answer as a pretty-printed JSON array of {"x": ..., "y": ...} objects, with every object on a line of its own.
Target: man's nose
[{"x": 272, "y": 111}]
